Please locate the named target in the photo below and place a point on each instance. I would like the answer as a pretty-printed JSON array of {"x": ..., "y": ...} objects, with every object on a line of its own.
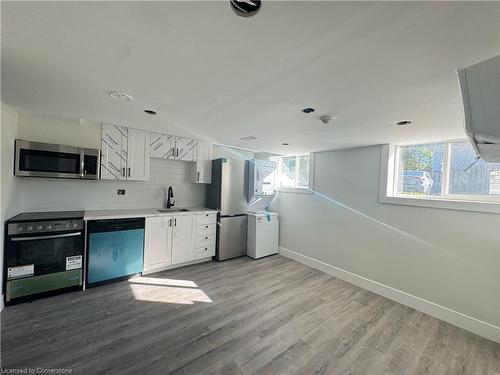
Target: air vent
[{"x": 249, "y": 138}]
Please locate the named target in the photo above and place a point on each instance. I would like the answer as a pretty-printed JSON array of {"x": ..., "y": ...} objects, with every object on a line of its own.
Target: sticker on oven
[
  {"x": 74, "y": 262},
  {"x": 20, "y": 271}
]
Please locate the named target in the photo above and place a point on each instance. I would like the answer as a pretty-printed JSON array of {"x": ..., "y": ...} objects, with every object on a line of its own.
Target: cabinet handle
[
  {"x": 129, "y": 172},
  {"x": 206, "y": 238},
  {"x": 175, "y": 222},
  {"x": 206, "y": 226},
  {"x": 177, "y": 153},
  {"x": 170, "y": 223},
  {"x": 198, "y": 176},
  {"x": 123, "y": 171}
]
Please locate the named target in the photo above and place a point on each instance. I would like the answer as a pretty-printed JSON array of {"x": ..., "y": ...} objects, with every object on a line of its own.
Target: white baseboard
[
  {"x": 466, "y": 322},
  {"x": 172, "y": 266}
]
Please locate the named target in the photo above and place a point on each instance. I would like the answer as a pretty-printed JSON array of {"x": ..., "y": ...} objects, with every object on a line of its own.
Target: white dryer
[{"x": 263, "y": 234}]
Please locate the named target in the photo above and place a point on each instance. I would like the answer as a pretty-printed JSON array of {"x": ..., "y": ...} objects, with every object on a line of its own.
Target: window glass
[
  {"x": 466, "y": 178},
  {"x": 419, "y": 169},
  {"x": 287, "y": 171},
  {"x": 303, "y": 175},
  {"x": 293, "y": 171}
]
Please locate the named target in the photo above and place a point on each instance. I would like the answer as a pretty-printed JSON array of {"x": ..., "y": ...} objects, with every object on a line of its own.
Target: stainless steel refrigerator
[{"x": 228, "y": 195}]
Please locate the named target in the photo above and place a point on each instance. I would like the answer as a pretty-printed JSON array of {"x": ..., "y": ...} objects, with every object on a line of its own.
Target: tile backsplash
[{"x": 56, "y": 195}]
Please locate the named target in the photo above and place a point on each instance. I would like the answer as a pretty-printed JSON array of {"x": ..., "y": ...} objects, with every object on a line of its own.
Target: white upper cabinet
[
  {"x": 185, "y": 148},
  {"x": 162, "y": 146},
  {"x": 125, "y": 153},
  {"x": 114, "y": 152},
  {"x": 138, "y": 155},
  {"x": 201, "y": 169}
]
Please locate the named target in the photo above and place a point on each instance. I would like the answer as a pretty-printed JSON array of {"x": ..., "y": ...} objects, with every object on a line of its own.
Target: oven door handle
[{"x": 46, "y": 237}]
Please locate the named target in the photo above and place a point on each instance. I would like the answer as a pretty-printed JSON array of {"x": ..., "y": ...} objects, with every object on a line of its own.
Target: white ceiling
[{"x": 214, "y": 75}]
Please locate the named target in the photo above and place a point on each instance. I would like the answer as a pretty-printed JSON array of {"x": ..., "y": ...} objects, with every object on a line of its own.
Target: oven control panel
[{"x": 44, "y": 227}]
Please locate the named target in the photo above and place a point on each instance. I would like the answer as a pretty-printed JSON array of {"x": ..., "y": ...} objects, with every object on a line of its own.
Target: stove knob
[
  {"x": 29, "y": 228},
  {"x": 39, "y": 227},
  {"x": 67, "y": 225},
  {"x": 48, "y": 227},
  {"x": 75, "y": 225},
  {"x": 19, "y": 229}
]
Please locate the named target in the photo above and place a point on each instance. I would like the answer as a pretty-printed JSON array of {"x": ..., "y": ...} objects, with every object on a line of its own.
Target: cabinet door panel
[
  {"x": 201, "y": 169},
  {"x": 162, "y": 146},
  {"x": 183, "y": 239},
  {"x": 114, "y": 152},
  {"x": 138, "y": 155},
  {"x": 185, "y": 148},
  {"x": 158, "y": 241}
]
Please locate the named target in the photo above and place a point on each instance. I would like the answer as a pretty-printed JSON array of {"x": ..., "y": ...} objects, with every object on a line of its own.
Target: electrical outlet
[{"x": 121, "y": 192}]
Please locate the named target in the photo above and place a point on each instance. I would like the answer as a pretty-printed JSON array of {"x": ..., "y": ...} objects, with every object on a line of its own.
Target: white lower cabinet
[
  {"x": 176, "y": 239},
  {"x": 158, "y": 243},
  {"x": 182, "y": 240}
]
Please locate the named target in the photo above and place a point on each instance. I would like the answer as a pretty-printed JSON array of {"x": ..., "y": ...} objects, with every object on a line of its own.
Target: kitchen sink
[{"x": 164, "y": 210}]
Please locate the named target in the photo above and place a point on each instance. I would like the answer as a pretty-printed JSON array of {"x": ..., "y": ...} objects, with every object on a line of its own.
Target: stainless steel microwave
[{"x": 36, "y": 159}]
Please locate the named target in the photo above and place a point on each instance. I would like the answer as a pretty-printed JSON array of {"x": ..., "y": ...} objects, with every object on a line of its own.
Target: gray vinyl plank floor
[{"x": 270, "y": 316}]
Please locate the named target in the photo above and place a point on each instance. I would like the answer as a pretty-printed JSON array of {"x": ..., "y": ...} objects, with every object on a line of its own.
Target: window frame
[
  {"x": 302, "y": 190},
  {"x": 388, "y": 185}
]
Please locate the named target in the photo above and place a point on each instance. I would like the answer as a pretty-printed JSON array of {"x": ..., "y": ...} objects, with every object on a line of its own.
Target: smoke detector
[
  {"x": 245, "y": 8},
  {"x": 325, "y": 119},
  {"x": 120, "y": 96}
]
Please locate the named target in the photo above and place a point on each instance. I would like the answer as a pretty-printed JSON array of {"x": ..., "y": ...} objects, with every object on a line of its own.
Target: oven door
[
  {"x": 37, "y": 255},
  {"x": 35, "y": 159}
]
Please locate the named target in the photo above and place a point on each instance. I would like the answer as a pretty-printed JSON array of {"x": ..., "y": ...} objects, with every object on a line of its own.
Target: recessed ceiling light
[
  {"x": 403, "y": 123},
  {"x": 150, "y": 112},
  {"x": 285, "y": 144},
  {"x": 249, "y": 138},
  {"x": 308, "y": 110},
  {"x": 120, "y": 96}
]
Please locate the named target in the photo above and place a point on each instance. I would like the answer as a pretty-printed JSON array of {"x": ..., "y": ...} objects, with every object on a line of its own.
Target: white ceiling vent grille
[{"x": 249, "y": 138}]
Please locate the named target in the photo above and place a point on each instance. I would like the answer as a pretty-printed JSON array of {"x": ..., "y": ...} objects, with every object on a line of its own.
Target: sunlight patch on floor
[
  {"x": 184, "y": 292},
  {"x": 162, "y": 281}
]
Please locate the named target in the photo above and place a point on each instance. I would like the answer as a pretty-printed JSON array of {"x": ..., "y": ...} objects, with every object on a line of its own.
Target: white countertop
[{"x": 143, "y": 212}]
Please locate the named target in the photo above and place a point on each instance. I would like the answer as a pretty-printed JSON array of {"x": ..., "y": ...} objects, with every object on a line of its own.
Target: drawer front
[
  {"x": 203, "y": 230},
  {"x": 205, "y": 252},
  {"x": 206, "y": 240},
  {"x": 208, "y": 218}
]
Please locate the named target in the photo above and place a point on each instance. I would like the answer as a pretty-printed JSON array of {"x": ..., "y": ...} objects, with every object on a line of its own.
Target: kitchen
[
  {"x": 247, "y": 187},
  {"x": 161, "y": 232}
]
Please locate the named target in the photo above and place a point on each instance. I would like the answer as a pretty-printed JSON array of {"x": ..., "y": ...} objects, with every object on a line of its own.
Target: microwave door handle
[
  {"x": 15, "y": 239},
  {"x": 82, "y": 163}
]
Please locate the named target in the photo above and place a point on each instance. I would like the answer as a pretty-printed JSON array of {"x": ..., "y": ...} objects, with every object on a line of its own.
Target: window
[
  {"x": 419, "y": 169},
  {"x": 294, "y": 172},
  {"x": 441, "y": 172}
]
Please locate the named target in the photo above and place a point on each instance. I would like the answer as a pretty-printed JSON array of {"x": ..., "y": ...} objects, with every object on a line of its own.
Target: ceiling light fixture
[
  {"x": 403, "y": 123},
  {"x": 150, "y": 112},
  {"x": 245, "y": 8},
  {"x": 308, "y": 110},
  {"x": 120, "y": 96}
]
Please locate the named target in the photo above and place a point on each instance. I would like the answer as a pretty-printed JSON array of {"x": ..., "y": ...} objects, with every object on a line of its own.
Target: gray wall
[{"x": 448, "y": 257}]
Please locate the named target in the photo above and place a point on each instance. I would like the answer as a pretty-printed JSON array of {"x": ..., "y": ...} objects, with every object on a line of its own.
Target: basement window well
[
  {"x": 295, "y": 173},
  {"x": 444, "y": 174}
]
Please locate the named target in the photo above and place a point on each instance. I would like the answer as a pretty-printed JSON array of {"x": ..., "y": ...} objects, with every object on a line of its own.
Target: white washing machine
[{"x": 263, "y": 234}]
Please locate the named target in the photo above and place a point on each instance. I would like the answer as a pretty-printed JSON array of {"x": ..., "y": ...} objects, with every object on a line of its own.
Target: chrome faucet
[{"x": 170, "y": 197}]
